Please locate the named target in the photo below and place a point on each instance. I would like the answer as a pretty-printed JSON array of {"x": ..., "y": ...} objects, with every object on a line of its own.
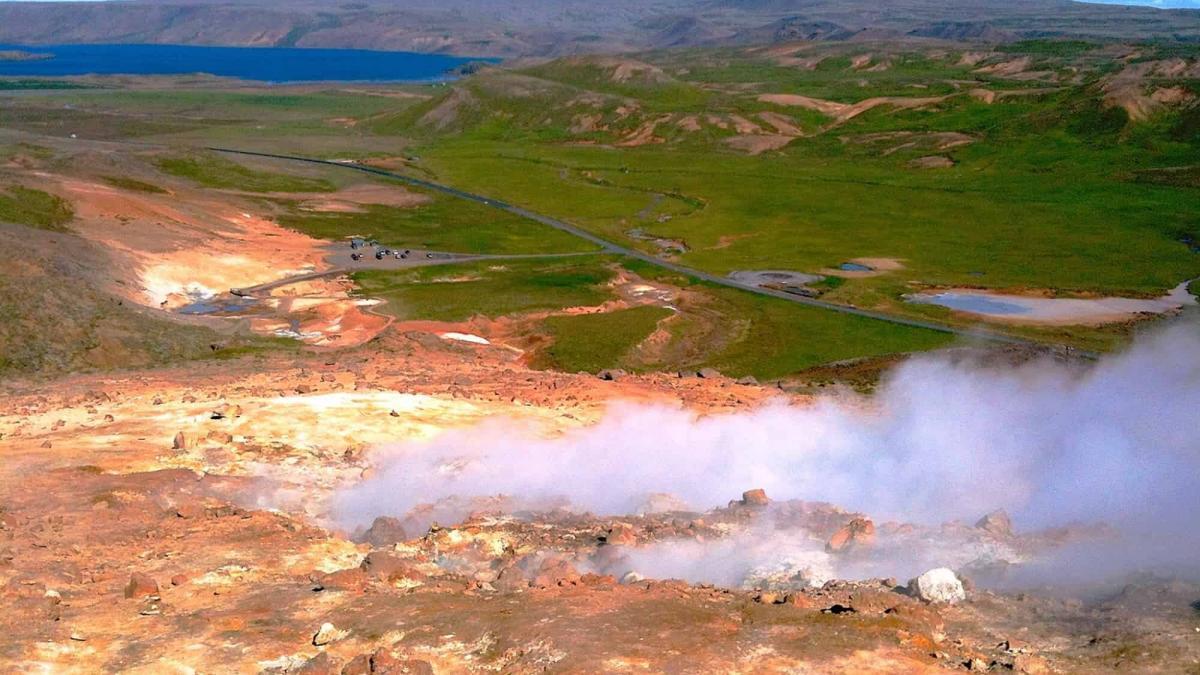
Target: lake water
[
  {"x": 250, "y": 63},
  {"x": 1055, "y": 310},
  {"x": 854, "y": 267}
]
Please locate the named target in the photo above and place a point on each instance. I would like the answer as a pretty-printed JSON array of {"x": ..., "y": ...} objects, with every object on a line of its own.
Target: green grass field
[
  {"x": 593, "y": 342},
  {"x": 493, "y": 289},
  {"x": 126, "y": 183},
  {"x": 26, "y": 206},
  {"x": 217, "y": 172},
  {"x": 1044, "y": 184},
  {"x": 441, "y": 224}
]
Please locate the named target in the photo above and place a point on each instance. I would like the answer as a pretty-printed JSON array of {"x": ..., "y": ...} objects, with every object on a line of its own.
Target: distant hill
[
  {"x": 558, "y": 27},
  {"x": 1163, "y": 4}
]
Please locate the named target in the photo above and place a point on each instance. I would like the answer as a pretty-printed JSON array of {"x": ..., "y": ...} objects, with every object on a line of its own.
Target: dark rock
[
  {"x": 389, "y": 567},
  {"x": 875, "y": 602},
  {"x": 359, "y": 665},
  {"x": 385, "y": 531},
  {"x": 321, "y": 664},
  {"x": 997, "y": 523}
]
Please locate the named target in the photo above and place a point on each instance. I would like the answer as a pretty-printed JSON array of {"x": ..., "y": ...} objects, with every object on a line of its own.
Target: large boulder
[
  {"x": 140, "y": 586},
  {"x": 755, "y": 497},
  {"x": 857, "y": 532},
  {"x": 996, "y": 523},
  {"x": 940, "y": 584},
  {"x": 385, "y": 531}
]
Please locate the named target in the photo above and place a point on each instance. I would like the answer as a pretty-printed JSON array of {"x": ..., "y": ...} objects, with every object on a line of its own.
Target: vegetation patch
[
  {"x": 134, "y": 185},
  {"x": 769, "y": 338},
  {"x": 442, "y": 224},
  {"x": 26, "y": 206},
  {"x": 216, "y": 172},
  {"x": 459, "y": 292},
  {"x": 1049, "y": 47},
  {"x": 592, "y": 342},
  {"x": 33, "y": 83}
]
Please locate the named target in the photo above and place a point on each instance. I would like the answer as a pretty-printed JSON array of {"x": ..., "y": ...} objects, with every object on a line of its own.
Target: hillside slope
[{"x": 512, "y": 28}]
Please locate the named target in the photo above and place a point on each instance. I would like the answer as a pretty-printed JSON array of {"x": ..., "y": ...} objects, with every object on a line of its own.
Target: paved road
[{"x": 611, "y": 247}]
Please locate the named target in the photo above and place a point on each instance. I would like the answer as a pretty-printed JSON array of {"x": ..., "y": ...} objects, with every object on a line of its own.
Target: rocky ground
[{"x": 178, "y": 520}]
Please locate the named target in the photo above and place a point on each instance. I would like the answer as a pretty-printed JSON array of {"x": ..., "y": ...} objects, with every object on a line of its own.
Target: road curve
[{"x": 611, "y": 247}]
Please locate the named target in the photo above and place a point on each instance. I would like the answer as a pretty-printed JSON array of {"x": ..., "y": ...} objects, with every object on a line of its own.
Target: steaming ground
[{"x": 1117, "y": 442}]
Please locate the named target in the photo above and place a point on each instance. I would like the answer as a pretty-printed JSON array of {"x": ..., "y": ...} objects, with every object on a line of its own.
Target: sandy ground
[
  {"x": 176, "y": 520},
  {"x": 842, "y": 112},
  {"x": 187, "y": 244}
]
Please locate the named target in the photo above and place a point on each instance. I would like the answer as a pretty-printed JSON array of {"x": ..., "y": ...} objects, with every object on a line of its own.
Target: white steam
[{"x": 1117, "y": 442}]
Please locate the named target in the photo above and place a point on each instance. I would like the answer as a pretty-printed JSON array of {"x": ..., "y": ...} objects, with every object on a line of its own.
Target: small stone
[
  {"x": 46, "y": 444},
  {"x": 181, "y": 442},
  {"x": 78, "y": 636},
  {"x": 611, "y": 374},
  {"x": 708, "y": 373},
  {"x": 748, "y": 381},
  {"x": 976, "y": 664},
  {"x": 179, "y": 580},
  {"x": 327, "y": 633},
  {"x": 140, "y": 586},
  {"x": 223, "y": 437},
  {"x": 938, "y": 585},
  {"x": 394, "y": 413},
  {"x": 632, "y": 578},
  {"x": 755, "y": 497},
  {"x": 875, "y": 602},
  {"x": 620, "y": 534},
  {"x": 389, "y": 567},
  {"x": 798, "y": 600},
  {"x": 1028, "y": 663}
]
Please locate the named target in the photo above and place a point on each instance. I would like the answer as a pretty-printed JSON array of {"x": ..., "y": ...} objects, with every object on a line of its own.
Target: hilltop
[{"x": 514, "y": 28}]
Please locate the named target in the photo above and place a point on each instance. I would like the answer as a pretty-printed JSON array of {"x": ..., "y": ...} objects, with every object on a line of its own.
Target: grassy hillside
[
  {"x": 1057, "y": 167},
  {"x": 441, "y": 224},
  {"x": 35, "y": 208},
  {"x": 1038, "y": 166},
  {"x": 55, "y": 316}
]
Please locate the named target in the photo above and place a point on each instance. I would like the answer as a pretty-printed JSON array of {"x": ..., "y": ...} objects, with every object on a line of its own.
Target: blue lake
[{"x": 250, "y": 63}]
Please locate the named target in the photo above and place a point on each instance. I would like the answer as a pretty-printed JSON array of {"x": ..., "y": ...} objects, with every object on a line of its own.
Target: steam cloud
[{"x": 1117, "y": 442}]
